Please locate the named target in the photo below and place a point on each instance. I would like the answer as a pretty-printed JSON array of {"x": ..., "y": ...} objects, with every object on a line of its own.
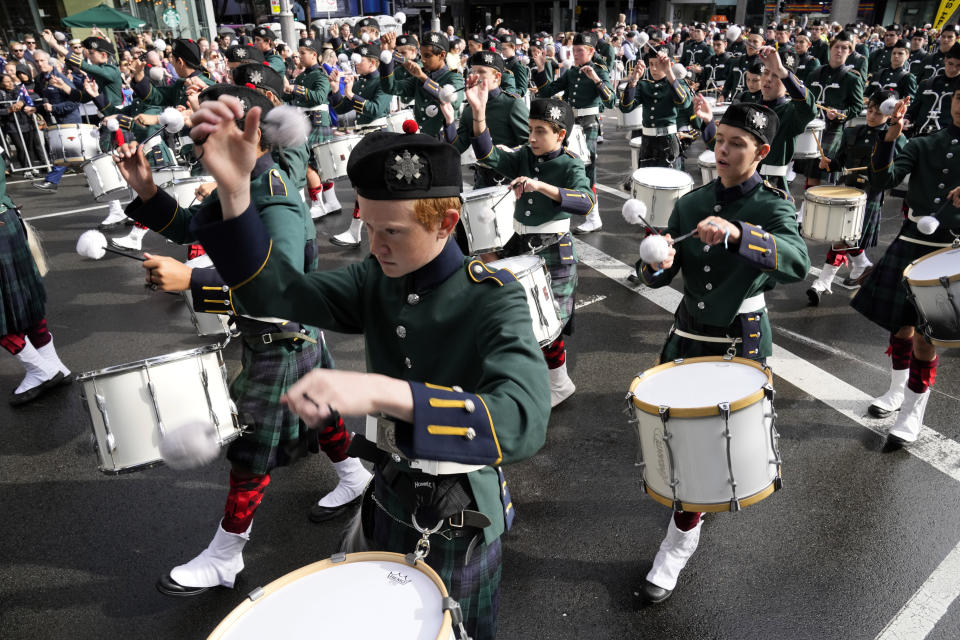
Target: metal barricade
[{"x": 13, "y": 154}]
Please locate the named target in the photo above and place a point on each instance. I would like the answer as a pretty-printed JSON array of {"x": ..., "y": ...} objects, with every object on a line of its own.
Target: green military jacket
[
  {"x": 856, "y": 149},
  {"x": 806, "y": 65},
  {"x": 369, "y": 100},
  {"x": 820, "y": 49},
  {"x": 860, "y": 64},
  {"x": 108, "y": 78},
  {"x": 840, "y": 88},
  {"x": 697, "y": 53},
  {"x": 521, "y": 75},
  {"x": 508, "y": 82},
  {"x": 293, "y": 161},
  {"x": 662, "y": 103},
  {"x": 507, "y": 119},
  {"x": 736, "y": 77},
  {"x": 578, "y": 90},
  {"x": 159, "y": 155},
  {"x": 605, "y": 52},
  {"x": 879, "y": 60},
  {"x": 933, "y": 98},
  {"x": 716, "y": 280},
  {"x": 561, "y": 168},
  {"x": 425, "y": 95},
  {"x": 275, "y": 61},
  {"x": 457, "y": 331},
  {"x": 171, "y": 96},
  {"x": 899, "y": 80},
  {"x": 311, "y": 89}
]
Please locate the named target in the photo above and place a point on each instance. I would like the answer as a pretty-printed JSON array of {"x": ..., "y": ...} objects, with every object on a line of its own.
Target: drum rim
[
  {"x": 816, "y": 124},
  {"x": 98, "y": 158},
  {"x": 73, "y": 125},
  {"x": 494, "y": 190},
  {"x": 707, "y": 411},
  {"x": 928, "y": 283},
  {"x": 812, "y": 196},
  {"x": 539, "y": 264},
  {"x": 660, "y": 187},
  {"x": 361, "y": 556},
  {"x": 178, "y": 181},
  {"x": 715, "y": 507},
  {"x": 155, "y": 360}
]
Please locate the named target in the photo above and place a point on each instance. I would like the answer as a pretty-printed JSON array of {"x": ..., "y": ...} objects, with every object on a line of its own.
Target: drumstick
[
  {"x": 121, "y": 253},
  {"x": 819, "y": 148},
  {"x": 855, "y": 169},
  {"x": 521, "y": 183},
  {"x": 824, "y": 107},
  {"x": 689, "y": 234}
]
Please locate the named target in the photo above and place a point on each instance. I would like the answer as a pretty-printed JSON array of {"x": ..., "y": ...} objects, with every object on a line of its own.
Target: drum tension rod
[
  {"x": 724, "y": 408},
  {"x": 456, "y": 615}
]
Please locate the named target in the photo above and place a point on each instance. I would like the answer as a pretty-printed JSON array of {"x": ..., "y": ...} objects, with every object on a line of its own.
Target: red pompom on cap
[
  {"x": 410, "y": 126},
  {"x": 250, "y": 85}
]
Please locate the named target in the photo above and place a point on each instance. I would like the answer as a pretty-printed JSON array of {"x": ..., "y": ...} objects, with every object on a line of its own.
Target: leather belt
[
  {"x": 554, "y": 226},
  {"x": 773, "y": 170},
  {"x": 269, "y": 338},
  {"x": 660, "y": 131},
  {"x": 586, "y": 111},
  {"x": 460, "y": 525}
]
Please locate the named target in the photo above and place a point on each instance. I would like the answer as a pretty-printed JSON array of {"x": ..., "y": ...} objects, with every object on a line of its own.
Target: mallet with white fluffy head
[
  {"x": 93, "y": 244},
  {"x": 285, "y": 126},
  {"x": 192, "y": 445}
]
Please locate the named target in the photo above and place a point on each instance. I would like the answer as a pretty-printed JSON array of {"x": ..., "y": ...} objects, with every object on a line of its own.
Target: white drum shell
[
  {"x": 482, "y": 236},
  {"x": 72, "y": 144},
  {"x": 104, "y": 178},
  {"x": 833, "y": 219},
  {"x": 531, "y": 272},
  {"x": 630, "y": 120},
  {"x": 708, "y": 166},
  {"x": 395, "y": 120},
  {"x": 806, "y": 146},
  {"x": 130, "y": 410},
  {"x": 332, "y": 156},
  {"x": 577, "y": 143},
  {"x": 939, "y": 314},
  {"x": 649, "y": 188},
  {"x": 206, "y": 324},
  {"x": 167, "y": 174},
  {"x": 184, "y": 190}
]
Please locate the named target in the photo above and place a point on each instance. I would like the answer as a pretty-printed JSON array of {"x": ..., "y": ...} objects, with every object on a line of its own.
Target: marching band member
[
  {"x": 934, "y": 62},
  {"x": 788, "y": 56},
  {"x": 881, "y": 58},
  {"x": 697, "y": 51},
  {"x": 895, "y": 75},
  {"x": 242, "y": 54},
  {"x": 551, "y": 187},
  {"x": 820, "y": 42},
  {"x": 187, "y": 62},
  {"x": 918, "y": 51},
  {"x": 839, "y": 87},
  {"x": 737, "y": 76},
  {"x": 716, "y": 67},
  {"x": 807, "y": 63},
  {"x": 414, "y": 299},
  {"x": 409, "y": 47},
  {"x": 513, "y": 63},
  {"x": 263, "y": 41},
  {"x": 23, "y": 318},
  {"x": 855, "y": 150},
  {"x": 929, "y": 112},
  {"x": 751, "y": 84},
  {"x": 662, "y": 98},
  {"x": 586, "y": 88},
  {"x": 747, "y": 241},
  {"x": 931, "y": 163},
  {"x": 274, "y": 351}
]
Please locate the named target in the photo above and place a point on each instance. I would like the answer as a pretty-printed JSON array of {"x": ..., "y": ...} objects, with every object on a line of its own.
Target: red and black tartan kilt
[
  {"x": 22, "y": 294},
  {"x": 883, "y": 296}
]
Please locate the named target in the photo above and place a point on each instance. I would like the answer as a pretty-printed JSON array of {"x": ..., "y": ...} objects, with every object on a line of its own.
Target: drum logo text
[{"x": 398, "y": 578}]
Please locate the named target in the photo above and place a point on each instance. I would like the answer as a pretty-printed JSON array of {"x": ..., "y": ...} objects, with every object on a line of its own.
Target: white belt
[
  {"x": 773, "y": 170},
  {"x": 554, "y": 226},
  {"x": 925, "y": 243},
  {"x": 379, "y": 122},
  {"x": 586, "y": 111},
  {"x": 911, "y": 217},
  {"x": 751, "y": 304},
  {"x": 660, "y": 131},
  {"x": 699, "y": 338},
  {"x": 387, "y": 442}
]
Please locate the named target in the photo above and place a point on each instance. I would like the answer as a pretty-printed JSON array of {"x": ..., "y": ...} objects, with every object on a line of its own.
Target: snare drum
[
  {"x": 184, "y": 190},
  {"x": 488, "y": 218},
  {"x": 577, "y": 143},
  {"x": 706, "y": 432},
  {"x": 712, "y": 101},
  {"x": 934, "y": 284},
  {"x": 630, "y": 120},
  {"x": 719, "y": 111},
  {"x": 834, "y": 213},
  {"x": 332, "y": 156},
  {"x": 72, "y": 143},
  {"x": 635, "y": 145},
  {"x": 659, "y": 188},
  {"x": 806, "y": 146},
  {"x": 169, "y": 173},
  {"x": 132, "y": 405},
  {"x": 104, "y": 178},
  {"x": 708, "y": 166},
  {"x": 469, "y": 157},
  {"x": 860, "y": 119},
  {"x": 395, "y": 120},
  {"x": 362, "y": 596},
  {"x": 531, "y": 272}
]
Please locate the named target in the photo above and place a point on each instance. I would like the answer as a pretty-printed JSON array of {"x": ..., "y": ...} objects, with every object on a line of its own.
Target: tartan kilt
[
  {"x": 591, "y": 129},
  {"x": 22, "y": 294},
  {"x": 563, "y": 278},
  {"x": 476, "y": 585},
  {"x": 830, "y": 141},
  {"x": 882, "y": 298},
  {"x": 319, "y": 134},
  {"x": 277, "y": 437},
  {"x": 870, "y": 232}
]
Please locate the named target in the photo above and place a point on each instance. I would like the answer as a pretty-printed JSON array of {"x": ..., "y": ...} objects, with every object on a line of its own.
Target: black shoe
[
  {"x": 653, "y": 593},
  {"x": 17, "y": 399},
  {"x": 170, "y": 587},
  {"x": 340, "y": 243},
  {"x": 893, "y": 443},
  {"x": 856, "y": 282},
  {"x": 45, "y": 186},
  {"x": 633, "y": 278},
  {"x": 322, "y": 514},
  {"x": 813, "y": 295},
  {"x": 878, "y": 412}
]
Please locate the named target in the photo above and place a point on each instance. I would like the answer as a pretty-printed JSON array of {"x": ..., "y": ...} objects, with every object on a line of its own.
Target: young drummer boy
[{"x": 551, "y": 187}]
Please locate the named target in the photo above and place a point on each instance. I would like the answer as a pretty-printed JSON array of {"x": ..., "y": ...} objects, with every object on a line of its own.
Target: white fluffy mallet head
[
  {"x": 156, "y": 74},
  {"x": 927, "y": 225},
  {"x": 888, "y": 106},
  {"x": 654, "y": 249},
  {"x": 343, "y": 58},
  {"x": 447, "y": 93},
  {"x": 365, "y": 37},
  {"x": 642, "y": 38},
  {"x": 159, "y": 45},
  {"x": 679, "y": 71},
  {"x": 285, "y": 126},
  {"x": 113, "y": 124},
  {"x": 356, "y": 58},
  {"x": 733, "y": 33},
  {"x": 190, "y": 446},
  {"x": 171, "y": 120},
  {"x": 92, "y": 244},
  {"x": 386, "y": 56},
  {"x": 400, "y": 17},
  {"x": 633, "y": 211}
]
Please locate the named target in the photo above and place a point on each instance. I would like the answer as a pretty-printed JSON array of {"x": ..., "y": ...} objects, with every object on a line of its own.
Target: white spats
[
  {"x": 92, "y": 244},
  {"x": 654, "y": 249},
  {"x": 49, "y": 353},
  {"x": 634, "y": 211},
  {"x": 216, "y": 565},
  {"x": 561, "y": 386},
  {"x": 39, "y": 369},
  {"x": 285, "y": 126},
  {"x": 910, "y": 419},
  {"x": 189, "y": 446},
  {"x": 132, "y": 241},
  {"x": 893, "y": 398},
  {"x": 927, "y": 225},
  {"x": 675, "y": 551},
  {"x": 353, "y": 480}
]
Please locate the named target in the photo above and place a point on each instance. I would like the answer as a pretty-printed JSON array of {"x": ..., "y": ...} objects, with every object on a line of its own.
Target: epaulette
[
  {"x": 505, "y": 70},
  {"x": 601, "y": 65},
  {"x": 277, "y": 186},
  {"x": 480, "y": 272},
  {"x": 571, "y": 153},
  {"x": 780, "y": 192},
  {"x": 515, "y": 96}
]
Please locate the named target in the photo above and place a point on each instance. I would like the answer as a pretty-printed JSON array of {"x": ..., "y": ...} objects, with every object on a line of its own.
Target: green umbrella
[{"x": 104, "y": 17}]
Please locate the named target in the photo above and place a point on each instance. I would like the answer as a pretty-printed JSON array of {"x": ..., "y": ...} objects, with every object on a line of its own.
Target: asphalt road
[{"x": 855, "y": 536}]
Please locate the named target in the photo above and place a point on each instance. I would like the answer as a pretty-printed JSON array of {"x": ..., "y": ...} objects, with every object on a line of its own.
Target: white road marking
[
  {"x": 39, "y": 178},
  {"x": 67, "y": 213},
  {"x": 585, "y": 302},
  {"x": 930, "y": 603}
]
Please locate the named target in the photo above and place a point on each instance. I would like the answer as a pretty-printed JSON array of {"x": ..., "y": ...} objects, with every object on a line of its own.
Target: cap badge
[
  {"x": 434, "y": 38},
  {"x": 488, "y": 58},
  {"x": 241, "y": 53},
  {"x": 256, "y": 77},
  {"x": 758, "y": 120},
  {"x": 556, "y": 113},
  {"x": 407, "y": 167}
]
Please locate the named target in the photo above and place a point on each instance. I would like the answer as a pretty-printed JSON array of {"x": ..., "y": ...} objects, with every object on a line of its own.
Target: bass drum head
[
  {"x": 933, "y": 266},
  {"x": 714, "y": 380},
  {"x": 662, "y": 178},
  {"x": 707, "y": 159}
]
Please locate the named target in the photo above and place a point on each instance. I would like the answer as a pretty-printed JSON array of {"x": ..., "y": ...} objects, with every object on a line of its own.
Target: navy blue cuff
[
  {"x": 452, "y": 426},
  {"x": 240, "y": 247},
  {"x": 629, "y": 95},
  {"x": 142, "y": 87},
  {"x": 386, "y": 68},
  {"x": 794, "y": 87},
  {"x": 882, "y": 155},
  {"x": 483, "y": 145},
  {"x": 757, "y": 246},
  {"x": 709, "y": 131},
  {"x": 540, "y": 78},
  {"x": 157, "y": 212},
  {"x": 573, "y": 201},
  {"x": 651, "y": 277},
  {"x": 210, "y": 293},
  {"x": 449, "y": 132}
]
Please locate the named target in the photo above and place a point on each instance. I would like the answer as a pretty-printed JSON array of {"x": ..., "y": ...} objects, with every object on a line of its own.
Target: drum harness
[{"x": 724, "y": 409}]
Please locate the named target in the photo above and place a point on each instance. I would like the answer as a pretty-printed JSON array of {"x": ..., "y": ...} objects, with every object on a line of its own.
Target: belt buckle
[
  {"x": 454, "y": 524},
  {"x": 266, "y": 338}
]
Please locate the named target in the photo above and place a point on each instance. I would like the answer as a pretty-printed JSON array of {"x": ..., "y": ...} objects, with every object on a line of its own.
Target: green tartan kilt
[
  {"x": 22, "y": 294},
  {"x": 870, "y": 231},
  {"x": 475, "y": 584},
  {"x": 277, "y": 437},
  {"x": 320, "y": 133}
]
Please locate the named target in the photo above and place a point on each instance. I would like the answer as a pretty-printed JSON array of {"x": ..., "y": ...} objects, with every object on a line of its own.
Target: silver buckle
[
  {"x": 454, "y": 524},
  {"x": 266, "y": 338}
]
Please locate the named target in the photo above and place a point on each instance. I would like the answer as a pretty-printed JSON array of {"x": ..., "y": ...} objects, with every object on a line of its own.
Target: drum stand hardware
[
  {"x": 153, "y": 398},
  {"x": 667, "y": 436},
  {"x": 724, "y": 408},
  {"x": 422, "y": 548},
  {"x": 769, "y": 394},
  {"x": 102, "y": 408},
  {"x": 256, "y": 594},
  {"x": 204, "y": 380},
  {"x": 456, "y": 615}
]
